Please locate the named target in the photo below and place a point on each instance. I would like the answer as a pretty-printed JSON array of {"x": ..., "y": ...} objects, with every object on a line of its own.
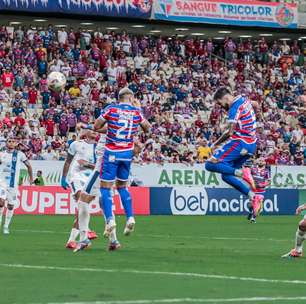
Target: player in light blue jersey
[
  {"x": 238, "y": 145},
  {"x": 10, "y": 161},
  {"x": 123, "y": 121}
]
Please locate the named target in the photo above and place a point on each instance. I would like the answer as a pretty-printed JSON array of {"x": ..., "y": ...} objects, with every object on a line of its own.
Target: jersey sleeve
[
  {"x": 233, "y": 113},
  {"x": 139, "y": 117},
  {"x": 23, "y": 157},
  {"x": 72, "y": 150},
  {"x": 105, "y": 114}
]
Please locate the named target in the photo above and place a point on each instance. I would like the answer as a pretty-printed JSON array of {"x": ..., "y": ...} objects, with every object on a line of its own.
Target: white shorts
[
  {"x": 92, "y": 186},
  {"x": 77, "y": 184},
  {"x": 8, "y": 194}
]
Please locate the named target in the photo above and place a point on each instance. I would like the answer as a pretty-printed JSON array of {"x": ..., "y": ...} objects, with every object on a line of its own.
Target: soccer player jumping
[
  {"x": 238, "y": 144},
  {"x": 123, "y": 120}
]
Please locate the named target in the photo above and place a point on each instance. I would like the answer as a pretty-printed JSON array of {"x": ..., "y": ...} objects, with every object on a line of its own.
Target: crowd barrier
[{"x": 54, "y": 200}]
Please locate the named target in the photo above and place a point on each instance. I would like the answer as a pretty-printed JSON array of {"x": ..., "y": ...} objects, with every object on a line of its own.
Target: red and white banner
[{"x": 54, "y": 200}]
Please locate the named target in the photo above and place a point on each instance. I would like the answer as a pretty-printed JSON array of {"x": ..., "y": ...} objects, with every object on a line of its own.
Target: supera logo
[
  {"x": 199, "y": 201},
  {"x": 189, "y": 201}
]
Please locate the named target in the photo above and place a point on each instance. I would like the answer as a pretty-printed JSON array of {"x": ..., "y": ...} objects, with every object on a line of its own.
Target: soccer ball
[{"x": 56, "y": 81}]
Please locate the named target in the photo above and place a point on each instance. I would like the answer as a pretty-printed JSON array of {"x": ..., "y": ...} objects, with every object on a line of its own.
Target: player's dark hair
[{"x": 221, "y": 92}]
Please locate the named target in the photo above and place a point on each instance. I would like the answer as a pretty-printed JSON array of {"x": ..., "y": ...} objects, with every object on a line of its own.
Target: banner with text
[
  {"x": 290, "y": 177},
  {"x": 201, "y": 201},
  {"x": 174, "y": 175},
  {"x": 53, "y": 200},
  {"x": 119, "y": 8},
  {"x": 236, "y": 12}
]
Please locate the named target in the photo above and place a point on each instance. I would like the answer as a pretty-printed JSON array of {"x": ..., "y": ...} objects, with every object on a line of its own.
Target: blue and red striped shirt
[
  {"x": 123, "y": 121},
  {"x": 242, "y": 113}
]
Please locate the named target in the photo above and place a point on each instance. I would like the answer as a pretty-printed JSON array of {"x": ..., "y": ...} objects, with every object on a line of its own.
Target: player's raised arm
[
  {"x": 99, "y": 124},
  {"x": 145, "y": 126},
  {"x": 257, "y": 109},
  {"x": 67, "y": 164},
  {"x": 225, "y": 135},
  {"x": 30, "y": 171}
]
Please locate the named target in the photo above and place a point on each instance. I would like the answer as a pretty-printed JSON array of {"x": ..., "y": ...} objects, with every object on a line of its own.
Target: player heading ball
[{"x": 236, "y": 145}]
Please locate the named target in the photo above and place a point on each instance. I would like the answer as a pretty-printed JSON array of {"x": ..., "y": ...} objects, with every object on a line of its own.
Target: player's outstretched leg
[
  {"x": 8, "y": 218},
  {"x": 83, "y": 218},
  {"x": 300, "y": 236},
  {"x": 113, "y": 241},
  {"x": 106, "y": 204},
  {"x": 74, "y": 233},
  {"x": 127, "y": 205}
]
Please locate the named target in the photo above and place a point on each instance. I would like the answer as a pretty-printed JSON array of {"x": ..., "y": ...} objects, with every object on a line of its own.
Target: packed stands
[{"x": 174, "y": 77}]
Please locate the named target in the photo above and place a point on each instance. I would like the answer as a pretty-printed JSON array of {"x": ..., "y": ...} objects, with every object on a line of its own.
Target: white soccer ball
[{"x": 56, "y": 81}]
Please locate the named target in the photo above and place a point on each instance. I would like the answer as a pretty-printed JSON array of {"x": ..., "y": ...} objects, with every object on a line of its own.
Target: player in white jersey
[
  {"x": 92, "y": 187},
  {"x": 82, "y": 162},
  {"x": 79, "y": 163},
  {"x": 300, "y": 236},
  {"x": 10, "y": 161}
]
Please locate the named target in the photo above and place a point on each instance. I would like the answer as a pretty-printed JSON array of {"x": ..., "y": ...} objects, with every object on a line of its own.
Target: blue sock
[
  {"x": 220, "y": 167},
  {"x": 126, "y": 201},
  {"x": 236, "y": 183},
  {"x": 107, "y": 203}
]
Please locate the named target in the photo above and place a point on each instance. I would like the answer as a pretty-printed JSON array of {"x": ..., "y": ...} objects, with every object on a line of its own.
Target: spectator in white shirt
[{"x": 62, "y": 36}]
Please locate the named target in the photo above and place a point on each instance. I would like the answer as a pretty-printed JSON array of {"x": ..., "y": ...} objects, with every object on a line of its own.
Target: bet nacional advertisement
[
  {"x": 205, "y": 201},
  {"x": 120, "y": 8},
  {"x": 236, "y": 12},
  {"x": 54, "y": 200}
]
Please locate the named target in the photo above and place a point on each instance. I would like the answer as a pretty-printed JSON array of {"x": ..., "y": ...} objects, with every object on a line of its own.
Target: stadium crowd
[{"x": 174, "y": 78}]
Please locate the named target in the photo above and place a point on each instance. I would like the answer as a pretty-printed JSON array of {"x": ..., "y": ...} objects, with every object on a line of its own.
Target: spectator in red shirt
[
  {"x": 8, "y": 80},
  {"x": 199, "y": 122},
  {"x": 49, "y": 124},
  {"x": 7, "y": 120},
  {"x": 19, "y": 120},
  {"x": 32, "y": 97}
]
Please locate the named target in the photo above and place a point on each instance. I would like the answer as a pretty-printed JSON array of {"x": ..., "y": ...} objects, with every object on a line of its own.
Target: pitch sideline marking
[
  {"x": 167, "y": 237},
  {"x": 165, "y": 273},
  {"x": 192, "y": 300}
]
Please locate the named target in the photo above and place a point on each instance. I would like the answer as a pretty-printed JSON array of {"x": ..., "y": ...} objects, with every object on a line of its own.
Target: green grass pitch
[{"x": 159, "y": 263}]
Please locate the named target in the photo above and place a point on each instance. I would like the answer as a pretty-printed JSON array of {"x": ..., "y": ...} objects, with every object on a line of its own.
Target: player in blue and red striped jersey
[
  {"x": 261, "y": 176},
  {"x": 123, "y": 121},
  {"x": 238, "y": 145}
]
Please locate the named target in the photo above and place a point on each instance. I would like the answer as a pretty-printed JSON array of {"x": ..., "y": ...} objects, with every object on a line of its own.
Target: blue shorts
[
  {"x": 235, "y": 152},
  {"x": 116, "y": 165}
]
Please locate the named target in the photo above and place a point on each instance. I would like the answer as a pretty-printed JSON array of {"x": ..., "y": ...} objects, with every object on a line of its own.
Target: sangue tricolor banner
[
  {"x": 233, "y": 12},
  {"x": 177, "y": 175}
]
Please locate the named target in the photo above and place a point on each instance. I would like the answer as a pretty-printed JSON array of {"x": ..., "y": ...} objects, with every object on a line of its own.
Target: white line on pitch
[
  {"x": 162, "y": 273},
  {"x": 193, "y": 300},
  {"x": 169, "y": 236}
]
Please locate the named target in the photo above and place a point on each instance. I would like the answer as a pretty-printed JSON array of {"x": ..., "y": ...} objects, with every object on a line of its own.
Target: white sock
[
  {"x": 8, "y": 217},
  {"x": 238, "y": 173},
  {"x": 251, "y": 195},
  {"x": 299, "y": 239},
  {"x": 73, "y": 234},
  {"x": 83, "y": 219},
  {"x": 1, "y": 214},
  {"x": 113, "y": 236}
]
